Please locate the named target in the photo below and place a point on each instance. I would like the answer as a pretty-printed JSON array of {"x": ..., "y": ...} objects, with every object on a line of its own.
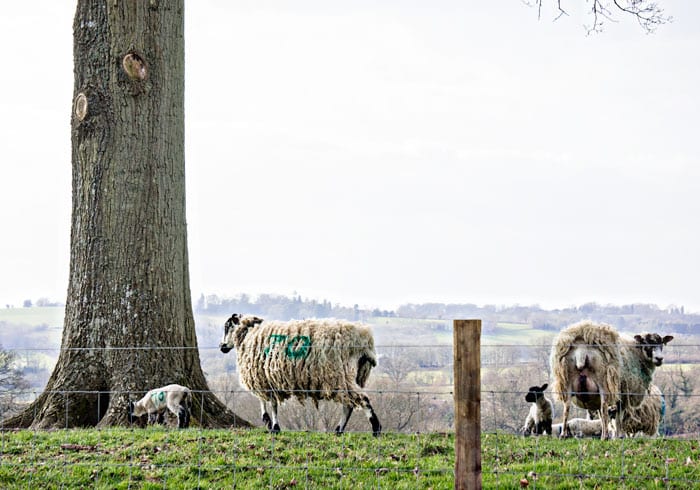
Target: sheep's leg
[
  {"x": 183, "y": 417},
  {"x": 371, "y": 416},
  {"x": 181, "y": 412},
  {"x": 265, "y": 417},
  {"x": 153, "y": 417},
  {"x": 604, "y": 417},
  {"x": 347, "y": 412},
  {"x": 275, "y": 425},
  {"x": 565, "y": 431}
]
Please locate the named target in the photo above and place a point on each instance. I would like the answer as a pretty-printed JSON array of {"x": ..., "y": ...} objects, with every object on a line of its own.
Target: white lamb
[
  {"x": 173, "y": 397},
  {"x": 579, "y": 427},
  {"x": 309, "y": 359}
]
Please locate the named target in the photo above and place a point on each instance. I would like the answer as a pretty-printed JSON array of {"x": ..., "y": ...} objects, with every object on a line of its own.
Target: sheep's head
[
  {"x": 651, "y": 345},
  {"x": 236, "y": 326},
  {"x": 535, "y": 392}
]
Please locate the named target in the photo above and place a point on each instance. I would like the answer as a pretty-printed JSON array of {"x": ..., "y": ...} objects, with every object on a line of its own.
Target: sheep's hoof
[
  {"x": 376, "y": 426},
  {"x": 338, "y": 432},
  {"x": 275, "y": 429}
]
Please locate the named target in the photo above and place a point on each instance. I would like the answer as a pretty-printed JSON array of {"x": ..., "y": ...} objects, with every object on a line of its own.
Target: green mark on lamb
[
  {"x": 158, "y": 398},
  {"x": 296, "y": 348}
]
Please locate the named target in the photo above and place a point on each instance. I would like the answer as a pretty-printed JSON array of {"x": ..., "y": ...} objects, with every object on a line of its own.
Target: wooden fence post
[{"x": 467, "y": 401}]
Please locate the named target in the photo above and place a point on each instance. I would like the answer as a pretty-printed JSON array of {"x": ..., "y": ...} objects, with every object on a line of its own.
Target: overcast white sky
[{"x": 389, "y": 152}]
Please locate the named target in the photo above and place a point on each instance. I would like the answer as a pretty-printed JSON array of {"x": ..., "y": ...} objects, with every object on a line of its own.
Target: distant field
[
  {"x": 388, "y": 331},
  {"x": 49, "y": 315}
]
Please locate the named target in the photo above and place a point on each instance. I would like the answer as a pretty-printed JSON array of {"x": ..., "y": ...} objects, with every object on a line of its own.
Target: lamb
[
  {"x": 173, "y": 397},
  {"x": 646, "y": 418},
  {"x": 595, "y": 367},
  {"x": 579, "y": 427},
  {"x": 307, "y": 359},
  {"x": 539, "y": 419}
]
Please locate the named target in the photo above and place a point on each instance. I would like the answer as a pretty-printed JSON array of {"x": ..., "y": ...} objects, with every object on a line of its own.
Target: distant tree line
[
  {"x": 280, "y": 307},
  {"x": 630, "y": 317}
]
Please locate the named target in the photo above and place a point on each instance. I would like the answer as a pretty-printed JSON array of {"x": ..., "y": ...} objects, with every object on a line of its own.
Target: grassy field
[{"x": 193, "y": 458}]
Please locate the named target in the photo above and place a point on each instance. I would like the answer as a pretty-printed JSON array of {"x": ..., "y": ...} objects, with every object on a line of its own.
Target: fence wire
[{"x": 411, "y": 390}]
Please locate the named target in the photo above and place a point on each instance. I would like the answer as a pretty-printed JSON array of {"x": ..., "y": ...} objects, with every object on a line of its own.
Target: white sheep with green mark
[
  {"x": 175, "y": 398},
  {"x": 306, "y": 359}
]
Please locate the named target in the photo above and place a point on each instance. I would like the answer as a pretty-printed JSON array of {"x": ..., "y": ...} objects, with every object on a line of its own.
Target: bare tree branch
[{"x": 648, "y": 14}]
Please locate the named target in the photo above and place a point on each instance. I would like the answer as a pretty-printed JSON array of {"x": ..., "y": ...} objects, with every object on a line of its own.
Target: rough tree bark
[{"x": 128, "y": 323}]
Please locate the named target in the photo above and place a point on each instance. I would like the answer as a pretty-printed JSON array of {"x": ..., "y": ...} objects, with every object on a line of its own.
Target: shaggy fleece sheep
[
  {"x": 586, "y": 367},
  {"x": 646, "y": 418},
  {"x": 307, "y": 359},
  {"x": 539, "y": 418},
  {"x": 173, "y": 397},
  {"x": 641, "y": 356},
  {"x": 595, "y": 367}
]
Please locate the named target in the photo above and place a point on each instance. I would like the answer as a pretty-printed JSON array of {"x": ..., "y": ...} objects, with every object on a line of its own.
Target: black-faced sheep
[
  {"x": 175, "y": 398},
  {"x": 641, "y": 356},
  {"x": 594, "y": 367},
  {"x": 539, "y": 418},
  {"x": 309, "y": 359}
]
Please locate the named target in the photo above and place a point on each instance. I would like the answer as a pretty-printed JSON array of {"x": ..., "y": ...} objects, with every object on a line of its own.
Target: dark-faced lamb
[
  {"x": 539, "y": 418},
  {"x": 306, "y": 359},
  {"x": 175, "y": 398},
  {"x": 594, "y": 367}
]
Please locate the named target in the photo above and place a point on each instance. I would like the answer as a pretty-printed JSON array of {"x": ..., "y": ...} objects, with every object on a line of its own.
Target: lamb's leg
[
  {"x": 347, "y": 412},
  {"x": 183, "y": 417}
]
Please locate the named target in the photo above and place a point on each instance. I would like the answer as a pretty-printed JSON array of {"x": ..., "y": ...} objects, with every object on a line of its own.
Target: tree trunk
[{"x": 128, "y": 325}]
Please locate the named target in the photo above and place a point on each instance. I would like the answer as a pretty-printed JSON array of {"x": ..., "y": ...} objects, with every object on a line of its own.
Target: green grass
[{"x": 163, "y": 458}]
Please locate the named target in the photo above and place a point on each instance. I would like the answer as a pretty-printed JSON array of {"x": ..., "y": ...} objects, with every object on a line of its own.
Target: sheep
[
  {"x": 539, "y": 419},
  {"x": 307, "y": 359},
  {"x": 579, "y": 427},
  {"x": 586, "y": 367},
  {"x": 641, "y": 356},
  {"x": 173, "y": 397},
  {"x": 595, "y": 367},
  {"x": 644, "y": 419}
]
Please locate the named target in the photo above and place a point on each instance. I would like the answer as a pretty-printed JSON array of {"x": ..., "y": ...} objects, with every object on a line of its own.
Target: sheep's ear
[
  {"x": 257, "y": 320},
  {"x": 544, "y": 386},
  {"x": 667, "y": 339},
  {"x": 639, "y": 339}
]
